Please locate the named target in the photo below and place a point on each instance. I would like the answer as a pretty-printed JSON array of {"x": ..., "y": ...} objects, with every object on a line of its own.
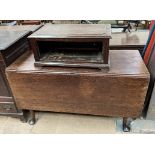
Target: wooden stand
[{"x": 72, "y": 45}]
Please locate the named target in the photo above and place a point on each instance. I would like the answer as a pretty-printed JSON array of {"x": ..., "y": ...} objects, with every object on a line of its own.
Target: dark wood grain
[
  {"x": 8, "y": 38},
  {"x": 31, "y": 22},
  {"x": 68, "y": 39},
  {"x": 119, "y": 92},
  {"x": 13, "y": 43},
  {"x": 73, "y": 31}
]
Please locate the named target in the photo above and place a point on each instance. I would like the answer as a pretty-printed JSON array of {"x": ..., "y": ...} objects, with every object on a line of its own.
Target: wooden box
[
  {"x": 119, "y": 92},
  {"x": 72, "y": 45},
  {"x": 13, "y": 43}
]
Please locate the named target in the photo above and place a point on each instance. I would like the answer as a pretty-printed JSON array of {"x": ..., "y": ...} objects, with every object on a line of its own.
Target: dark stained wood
[
  {"x": 8, "y": 38},
  {"x": 31, "y": 22},
  {"x": 119, "y": 92},
  {"x": 73, "y": 31},
  {"x": 129, "y": 41},
  {"x": 68, "y": 41},
  {"x": 31, "y": 28},
  {"x": 3, "y": 89},
  {"x": 106, "y": 54},
  {"x": 13, "y": 43}
]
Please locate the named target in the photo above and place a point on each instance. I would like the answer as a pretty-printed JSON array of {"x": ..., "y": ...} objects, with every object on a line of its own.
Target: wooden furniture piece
[
  {"x": 66, "y": 21},
  {"x": 29, "y": 28},
  {"x": 119, "y": 92},
  {"x": 129, "y": 41},
  {"x": 72, "y": 45},
  {"x": 147, "y": 24},
  {"x": 31, "y": 22},
  {"x": 13, "y": 43},
  {"x": 8, "y": 23}
]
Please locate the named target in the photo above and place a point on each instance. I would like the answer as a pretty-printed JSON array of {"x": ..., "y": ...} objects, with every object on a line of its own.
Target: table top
[
  {"x": 122, "y": 63},
  {"x": 127, "y": 39},
  {"x": 10, "y": 34},
  {"x": 31, "y": 28},
  {"x": 73, "y": 31},
  {"x": 8, "y": 38}
]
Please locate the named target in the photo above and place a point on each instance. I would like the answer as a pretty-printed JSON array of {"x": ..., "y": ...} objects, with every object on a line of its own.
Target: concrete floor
[
  {"x": 51, "y": 123},
  {"x": 59, "y": 123}
]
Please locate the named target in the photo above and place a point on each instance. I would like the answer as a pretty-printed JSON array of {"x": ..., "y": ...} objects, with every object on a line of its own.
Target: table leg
[
  {"x": 125, "y": 126},
  {"x": 32, "y": 119},
  {"x": 23, "y": 119}
]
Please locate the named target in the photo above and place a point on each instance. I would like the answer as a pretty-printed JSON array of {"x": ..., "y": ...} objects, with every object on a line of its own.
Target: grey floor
[
  {"x": 51, "y": 123},
  {"x": 59, "y": 123}
]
